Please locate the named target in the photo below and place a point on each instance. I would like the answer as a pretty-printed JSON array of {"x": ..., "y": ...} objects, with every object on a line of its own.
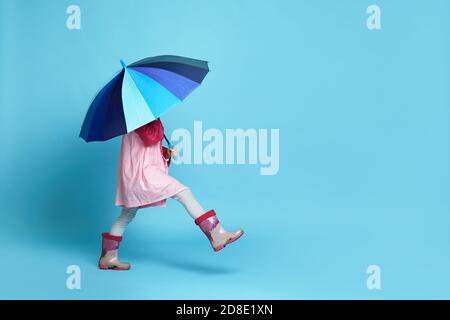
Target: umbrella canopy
[{"x": 140, "y": 93}]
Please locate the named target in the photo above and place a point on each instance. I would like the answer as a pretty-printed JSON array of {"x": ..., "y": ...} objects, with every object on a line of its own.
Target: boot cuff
[
  {"x": 205, "y": 216},
  {"x": 111, "y": 237}
]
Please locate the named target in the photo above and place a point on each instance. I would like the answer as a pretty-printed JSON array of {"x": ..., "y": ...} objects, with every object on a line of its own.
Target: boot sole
[
  {"x": 104, "y": 267},
  {"x": 228, "y": 242}
]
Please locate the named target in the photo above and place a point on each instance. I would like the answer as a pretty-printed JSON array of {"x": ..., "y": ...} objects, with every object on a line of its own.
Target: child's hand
[{"x": 173, "y": 152}]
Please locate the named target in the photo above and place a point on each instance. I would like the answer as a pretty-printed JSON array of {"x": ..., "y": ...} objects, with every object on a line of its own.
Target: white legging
[{"x": 185, "y": 197}]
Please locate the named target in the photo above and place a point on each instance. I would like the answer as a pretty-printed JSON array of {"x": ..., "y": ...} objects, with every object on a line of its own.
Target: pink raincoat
[{"x": 143, "y": 178}]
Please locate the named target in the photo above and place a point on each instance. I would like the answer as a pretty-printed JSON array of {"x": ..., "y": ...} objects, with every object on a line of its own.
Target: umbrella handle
[{"x": 168, "y": 142}]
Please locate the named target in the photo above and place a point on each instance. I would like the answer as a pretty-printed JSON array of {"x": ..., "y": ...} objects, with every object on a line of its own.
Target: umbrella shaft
[{"x": 168, "y": 142}]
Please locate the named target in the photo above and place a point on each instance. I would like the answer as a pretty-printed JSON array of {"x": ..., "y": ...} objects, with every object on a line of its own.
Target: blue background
[{"x": 364, "y": 149}]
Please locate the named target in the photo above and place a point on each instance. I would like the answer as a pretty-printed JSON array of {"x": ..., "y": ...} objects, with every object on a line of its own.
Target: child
[{"x": 143, "y": 181}]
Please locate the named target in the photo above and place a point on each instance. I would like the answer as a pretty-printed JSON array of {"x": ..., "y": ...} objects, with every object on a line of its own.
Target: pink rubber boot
[
  {"x": 110, "y": 253},
  {"x": 217, "y": 235}
]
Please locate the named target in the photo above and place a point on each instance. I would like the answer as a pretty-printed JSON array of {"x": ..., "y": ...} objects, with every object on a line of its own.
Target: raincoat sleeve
[{"x": 151, "y": 133}]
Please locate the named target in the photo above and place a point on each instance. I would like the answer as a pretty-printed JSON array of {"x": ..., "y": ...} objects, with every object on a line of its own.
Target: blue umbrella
[{"x": 140, "y": 93}]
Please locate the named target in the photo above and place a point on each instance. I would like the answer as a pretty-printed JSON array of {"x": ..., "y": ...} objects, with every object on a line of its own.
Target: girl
[{"x": 143, "y": 181}]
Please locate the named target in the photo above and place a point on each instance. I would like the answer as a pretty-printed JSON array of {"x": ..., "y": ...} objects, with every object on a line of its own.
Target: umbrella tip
[{"x": 123, "y": 63}]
